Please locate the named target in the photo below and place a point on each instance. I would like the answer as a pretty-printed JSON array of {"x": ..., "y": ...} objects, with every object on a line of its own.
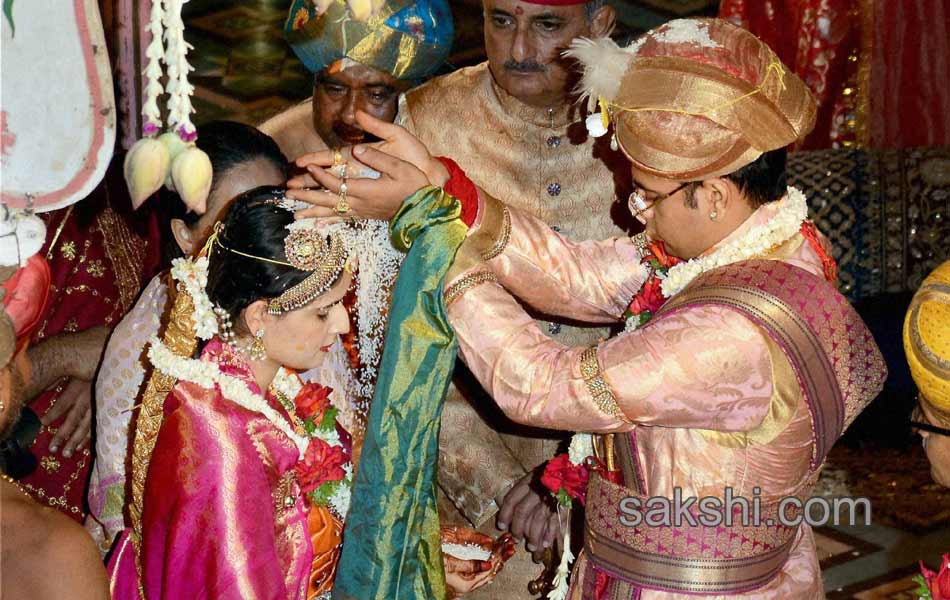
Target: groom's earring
[{"x": 257, "y": 351}]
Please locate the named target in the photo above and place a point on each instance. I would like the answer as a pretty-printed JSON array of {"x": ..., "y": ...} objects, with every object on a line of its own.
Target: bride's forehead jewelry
[{"x": 307, "y": 250}]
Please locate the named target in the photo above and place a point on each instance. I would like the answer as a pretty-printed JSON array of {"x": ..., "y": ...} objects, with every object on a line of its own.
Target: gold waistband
[{"x": 686, "y": 558}]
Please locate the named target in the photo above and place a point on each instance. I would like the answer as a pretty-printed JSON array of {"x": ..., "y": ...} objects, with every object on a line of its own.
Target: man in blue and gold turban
[{"x": 363, "y": 54}]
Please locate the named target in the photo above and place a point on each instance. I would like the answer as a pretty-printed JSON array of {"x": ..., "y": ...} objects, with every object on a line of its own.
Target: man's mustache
[
  {"x": 529, "y": 66},
  {"x": 347, "y": 132}
]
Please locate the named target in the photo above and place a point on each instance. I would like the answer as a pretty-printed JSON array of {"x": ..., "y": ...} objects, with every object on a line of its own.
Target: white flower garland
[
  {"x": 340, "y": 500},
  {"x": 207, "y": 375},
  {"x": 287, "y": 383},
  {"x": 153, "y": 71},
  {"x": 787, "y": 221},
  {"x": 193, "y": 275},
  {"x": 179, "y": 89},
  {"x": 582, "y": 446}
]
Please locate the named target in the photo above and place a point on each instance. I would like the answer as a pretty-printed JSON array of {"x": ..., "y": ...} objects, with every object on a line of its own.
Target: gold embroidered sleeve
[
  {"x": 485, "y": 241},
  {"x": 493, "y": 232},
  {"x": 466, "y": 282},
  {"x": 596, "y": 385}
]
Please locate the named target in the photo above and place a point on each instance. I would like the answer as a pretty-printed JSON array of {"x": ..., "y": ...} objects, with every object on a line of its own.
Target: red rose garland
[
  {"x": 650, "y": 297},
  {"x": 322, "y": 463},
  {"x": 565, "y": 479},
  {"x": 312, "y": 401},
  {"x": 324, "y": 470}
]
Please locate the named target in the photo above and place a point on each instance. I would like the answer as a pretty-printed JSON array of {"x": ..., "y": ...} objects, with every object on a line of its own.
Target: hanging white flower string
[
  {"x": 152, "y": 122},
  {"x": 193, "y": 275},
  {"x": 172, "y": 158},
  {"x": 560, "y": 581},
  {"x": 580, "y": 449},
  {"x": 147, "y": 161},
  {"x": 179, "y": 88},
  {"x": 190, "y": 168}
]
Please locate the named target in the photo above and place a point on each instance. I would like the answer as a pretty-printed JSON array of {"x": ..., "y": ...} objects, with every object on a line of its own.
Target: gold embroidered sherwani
[
  {"x": 293, "y": 130},
  {"x": 708, "y": 397},
  {"x": 525, "y": 155}
]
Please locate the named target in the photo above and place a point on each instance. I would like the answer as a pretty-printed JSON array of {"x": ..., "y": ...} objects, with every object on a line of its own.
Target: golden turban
[
  {"x": 927, "y": 340},
  {"x": 695, "y": 98}
]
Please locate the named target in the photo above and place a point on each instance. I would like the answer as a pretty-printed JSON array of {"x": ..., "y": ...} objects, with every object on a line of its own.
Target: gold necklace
[
  {"x": 15, "y": 484},
  {"x": 291, "y": 409}
]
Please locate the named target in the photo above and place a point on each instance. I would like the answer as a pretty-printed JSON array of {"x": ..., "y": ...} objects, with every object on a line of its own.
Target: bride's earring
[
  {"x": 713, "y": 215},
  {"x": 257, "y": 350}
]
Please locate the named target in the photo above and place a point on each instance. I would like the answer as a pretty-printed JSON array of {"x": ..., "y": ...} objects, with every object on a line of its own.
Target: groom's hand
[{"x": 364, "y": 198}]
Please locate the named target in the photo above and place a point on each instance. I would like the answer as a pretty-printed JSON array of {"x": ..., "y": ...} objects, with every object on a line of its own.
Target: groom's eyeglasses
[
  {"x": 918, "y": 421},
  {"x": 642, "y": 199}
]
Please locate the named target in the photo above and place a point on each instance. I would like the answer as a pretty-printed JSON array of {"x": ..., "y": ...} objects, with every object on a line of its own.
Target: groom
[{"x": 740, "y": 367}]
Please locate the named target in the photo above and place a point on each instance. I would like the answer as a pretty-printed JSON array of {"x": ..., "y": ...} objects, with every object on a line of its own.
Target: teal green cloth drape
[{"x": 391, "y": 546}]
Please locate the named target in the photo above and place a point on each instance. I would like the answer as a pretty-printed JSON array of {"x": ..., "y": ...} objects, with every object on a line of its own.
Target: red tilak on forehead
[{"x": 519, "y": 11}]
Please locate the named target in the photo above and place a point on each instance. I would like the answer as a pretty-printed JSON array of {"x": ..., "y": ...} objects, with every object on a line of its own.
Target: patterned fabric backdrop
[{"x": 886, "y": 212}]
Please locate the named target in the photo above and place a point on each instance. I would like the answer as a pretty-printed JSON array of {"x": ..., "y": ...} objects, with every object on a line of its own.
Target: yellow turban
[
  {"x": 927, "y": 340},
  {"x": 695, "y": 98}
]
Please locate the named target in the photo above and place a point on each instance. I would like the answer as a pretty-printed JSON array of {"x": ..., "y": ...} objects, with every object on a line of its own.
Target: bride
[{"x": 249, "y": 475}]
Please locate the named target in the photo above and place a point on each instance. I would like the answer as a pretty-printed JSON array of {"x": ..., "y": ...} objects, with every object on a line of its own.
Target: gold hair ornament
[{"x": 306, "y": 250}]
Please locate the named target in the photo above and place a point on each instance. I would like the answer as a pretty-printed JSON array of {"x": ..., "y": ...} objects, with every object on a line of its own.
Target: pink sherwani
[
  {"x": 698, "y": 390},
  {"x": 223, "y": 515}
]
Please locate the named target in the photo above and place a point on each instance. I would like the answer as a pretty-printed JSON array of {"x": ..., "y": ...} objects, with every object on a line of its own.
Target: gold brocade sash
[
  {"x": 683, "y": 558},
  {"x": 839, "y": 370},
  {"x": 824, "y": 339}
]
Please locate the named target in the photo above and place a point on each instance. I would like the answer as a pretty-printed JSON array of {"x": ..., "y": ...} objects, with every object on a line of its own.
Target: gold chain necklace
[
  {"x": 15, "y": 484},
  {"x": 291, "y": 409}
]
